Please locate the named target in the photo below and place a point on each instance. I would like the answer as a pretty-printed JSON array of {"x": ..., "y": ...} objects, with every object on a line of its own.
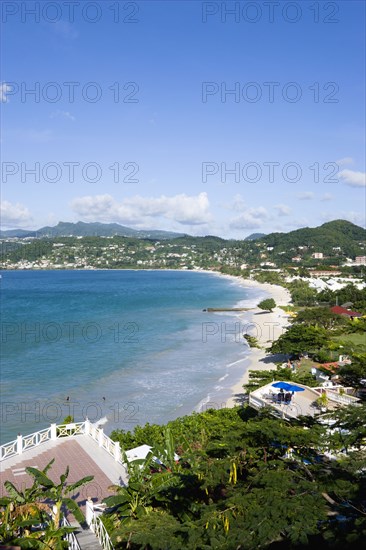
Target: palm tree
[
  {"x": 32, "y": 518},
  {"x": 21, "y": 511},
  {"x": 58, "y": 493}
]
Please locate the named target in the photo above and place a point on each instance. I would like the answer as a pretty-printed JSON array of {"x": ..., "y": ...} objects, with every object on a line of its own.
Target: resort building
[{"x": 304, "y": 401}]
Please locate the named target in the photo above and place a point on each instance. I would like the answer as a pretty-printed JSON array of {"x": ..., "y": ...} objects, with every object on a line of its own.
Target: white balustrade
[
  {"x": 93, "y": 512},
  {"x": 342, "y": 398},
  {"x": 70, "y": 537},
  {"x": 9, "y": 449},
  {"x": 54, "y": 432},
  {"x": 256, "y": 401}
]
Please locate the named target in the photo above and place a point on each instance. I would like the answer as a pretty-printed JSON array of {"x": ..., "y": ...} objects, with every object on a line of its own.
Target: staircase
[
  {"x": 87, "y": 539},
  {"x": 82, "y": 538}
]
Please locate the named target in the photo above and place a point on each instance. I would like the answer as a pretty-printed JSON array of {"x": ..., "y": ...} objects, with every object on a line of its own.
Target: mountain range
[
  {"x": 95, "y": 229},
  {"x": 327, "y": 237}
]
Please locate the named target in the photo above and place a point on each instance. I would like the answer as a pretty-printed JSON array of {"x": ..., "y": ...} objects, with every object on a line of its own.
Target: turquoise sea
[{"x": 127, "y": 347}]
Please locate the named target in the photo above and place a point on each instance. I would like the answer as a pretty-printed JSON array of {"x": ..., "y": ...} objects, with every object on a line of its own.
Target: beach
[{"x": 266, "y": 327}]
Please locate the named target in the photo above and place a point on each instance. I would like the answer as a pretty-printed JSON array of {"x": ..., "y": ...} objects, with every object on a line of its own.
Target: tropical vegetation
[
  {"x": 244, "y": 480},
  {"x": 32, "y": 517}
]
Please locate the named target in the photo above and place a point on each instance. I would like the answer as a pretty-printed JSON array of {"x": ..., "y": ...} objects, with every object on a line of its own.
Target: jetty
[{"x": 219, "y": 309}]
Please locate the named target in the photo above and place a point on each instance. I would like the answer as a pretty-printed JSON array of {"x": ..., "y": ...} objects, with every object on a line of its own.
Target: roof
[
  {"x": 332, "y": 367},
  {"x": 141, "y": 452},
  {"x": 138, "y": 453},
  {"x": 343, "y": 311}
]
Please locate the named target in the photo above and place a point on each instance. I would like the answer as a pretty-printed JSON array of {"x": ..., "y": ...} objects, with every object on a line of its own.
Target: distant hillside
[
  {"x": 254, "y": 236},
  {"x": 325, "y": 238},
  {"x": 78, "y": 246},
  {"x": 21, "y": 233},
  {"x": 82, "y": 229}
]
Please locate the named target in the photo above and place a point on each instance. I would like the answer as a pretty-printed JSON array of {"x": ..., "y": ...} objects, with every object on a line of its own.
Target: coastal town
[{"x": 296, "y": 251}]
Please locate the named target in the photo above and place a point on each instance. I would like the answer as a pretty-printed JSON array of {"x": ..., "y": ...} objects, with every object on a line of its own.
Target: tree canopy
[
  {"x": 245, "y": 480},
  {"x": 267, "y": 304},
  {"x": 300, "y": 339},
  {"x": 321, "y": 317}
]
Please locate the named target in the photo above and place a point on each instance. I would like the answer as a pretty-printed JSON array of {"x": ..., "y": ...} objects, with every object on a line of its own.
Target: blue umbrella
[
  {"x": 283, "y": 385},
  {"x": 295, "y": 388}
]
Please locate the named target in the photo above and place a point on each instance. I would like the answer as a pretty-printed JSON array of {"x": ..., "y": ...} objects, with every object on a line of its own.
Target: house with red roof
[{"x": 339, "y": 310}]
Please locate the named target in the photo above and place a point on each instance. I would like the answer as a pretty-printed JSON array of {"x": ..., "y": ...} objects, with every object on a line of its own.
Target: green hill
[{"x": 326, "y": 238}]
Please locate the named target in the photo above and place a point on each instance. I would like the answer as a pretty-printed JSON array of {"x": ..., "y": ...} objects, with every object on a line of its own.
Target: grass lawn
[
  {"x": 358, "y": 339},
  {"x": 306, "y": 365}
]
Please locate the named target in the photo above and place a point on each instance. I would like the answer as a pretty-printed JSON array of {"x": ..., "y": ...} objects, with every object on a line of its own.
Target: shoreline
[{"x": 268, "y": 326}]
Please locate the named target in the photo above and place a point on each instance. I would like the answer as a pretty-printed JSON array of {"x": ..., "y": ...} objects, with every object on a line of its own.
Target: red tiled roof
[
  {"x": 343, "y": 311},
  {"x": 329, "y": 366}
]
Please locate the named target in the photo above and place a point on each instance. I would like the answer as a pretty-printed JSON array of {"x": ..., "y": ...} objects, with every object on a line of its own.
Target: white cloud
[
  {"x": 326, "y": 197},
  {"x": 62, "y": 114},
  {"x": 355, "y": 217},
  {"x": 14, "y": 215},
  {"x": 305, "y": 196},
  {"x": 65, "y": 30},
  {"x": 352, "y": 178},
  {"x": 250, "y": 219},
  {"x": 137, "y": 210},
  {"x": 344, "y": 160},
  {"x": 4, "y": 89},
  {"x": 282, "y": 209},
  {"x": 238, "y": 203}
]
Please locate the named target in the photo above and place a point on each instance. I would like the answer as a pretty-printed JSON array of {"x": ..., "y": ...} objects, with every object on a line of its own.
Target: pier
[{"x": 219, "y": 309}]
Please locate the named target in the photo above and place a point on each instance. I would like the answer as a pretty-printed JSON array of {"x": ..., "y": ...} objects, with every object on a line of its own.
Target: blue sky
[{"x": 183, "y": 116}]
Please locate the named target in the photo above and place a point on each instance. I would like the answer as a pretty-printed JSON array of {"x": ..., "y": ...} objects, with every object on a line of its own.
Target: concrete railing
[
  {"x": 70, "y": 537},
  {"x": 92, "y": 516},
  {"x": 257, "y": 403},
  {"x": 333, "y": 394},
  {"x": 24, "y": 443},
  {"x": 344, "y": 399}
]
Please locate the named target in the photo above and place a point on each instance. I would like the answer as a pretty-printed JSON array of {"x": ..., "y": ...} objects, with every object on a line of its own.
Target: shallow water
[{"x": 128, "y": 346}]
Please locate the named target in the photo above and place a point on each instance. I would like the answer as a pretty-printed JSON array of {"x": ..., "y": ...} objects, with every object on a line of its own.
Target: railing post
[
  {"x": 87, "y": 426},
  {"x": 117, "y": 451},
  {"x": 19, "y": 444},
  {"x": 100, "y": 437},
  {"x": 89, "y": 512},
  {"x": 53, "y": 432}
]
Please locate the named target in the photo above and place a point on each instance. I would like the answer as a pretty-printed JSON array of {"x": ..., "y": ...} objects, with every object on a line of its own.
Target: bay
[{"x": 119, "y": 347}]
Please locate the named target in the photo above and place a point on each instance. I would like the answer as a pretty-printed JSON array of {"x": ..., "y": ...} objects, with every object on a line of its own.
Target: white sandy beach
[{"x": 267, "y": 327}]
